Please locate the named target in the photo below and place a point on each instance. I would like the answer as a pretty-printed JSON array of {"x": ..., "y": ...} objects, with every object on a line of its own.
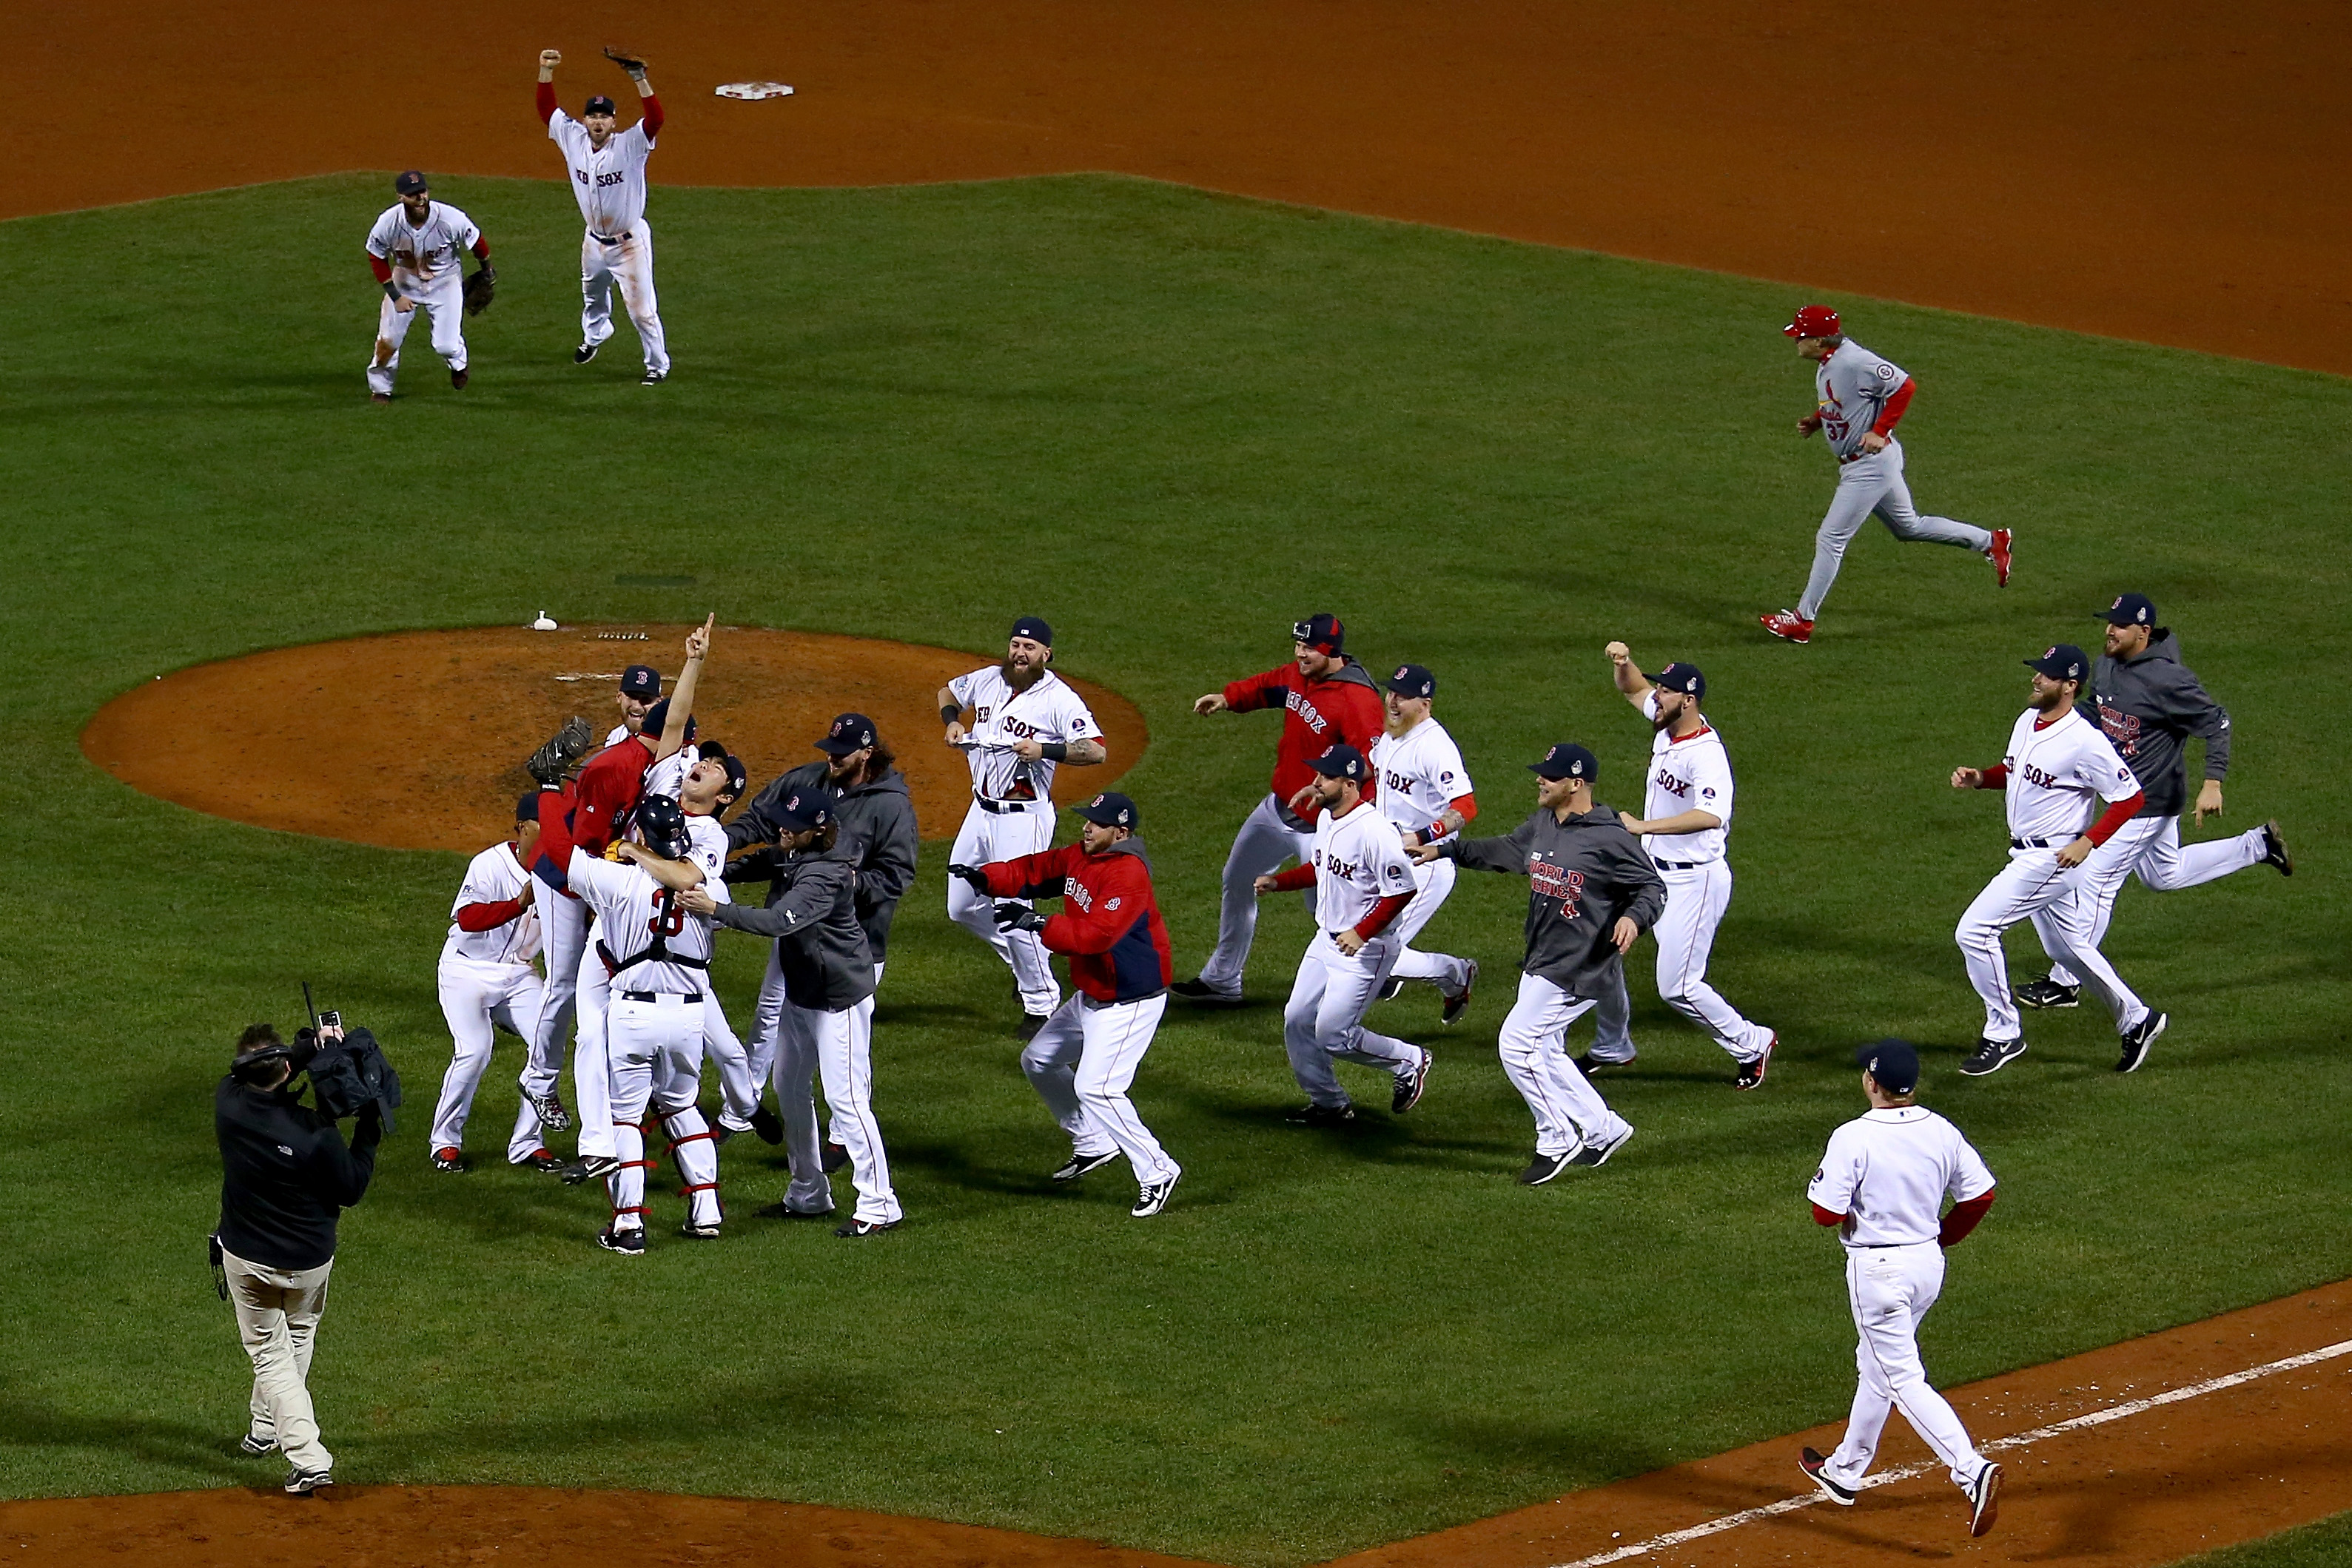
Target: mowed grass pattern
[{"x": 1171, "y": 422}]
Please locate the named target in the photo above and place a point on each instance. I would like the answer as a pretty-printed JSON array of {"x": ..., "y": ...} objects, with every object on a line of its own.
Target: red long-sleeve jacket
[
  {"x": 1110, "y": 925},
  {"x": 593, "y": 809},
  {"x": 1344, "y": 707}
]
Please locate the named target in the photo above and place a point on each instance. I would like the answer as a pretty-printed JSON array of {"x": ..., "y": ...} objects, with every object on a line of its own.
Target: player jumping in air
[{"x": 608, "y": 180}]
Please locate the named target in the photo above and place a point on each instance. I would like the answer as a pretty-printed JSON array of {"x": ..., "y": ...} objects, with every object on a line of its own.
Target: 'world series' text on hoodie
[
  {"x": 1582, "y": 876},
  {"x": 2149, "y": 707}
]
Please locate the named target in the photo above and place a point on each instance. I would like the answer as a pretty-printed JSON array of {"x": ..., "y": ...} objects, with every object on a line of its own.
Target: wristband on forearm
[
  {"x": 391, "y": 291},
  {"x": 950, "y": 712},
  {"x": 1054, "y": 750}
]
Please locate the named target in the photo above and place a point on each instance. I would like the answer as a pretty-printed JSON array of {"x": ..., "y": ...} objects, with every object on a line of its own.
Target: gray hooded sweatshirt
[
  {"x": 2149, "y": 707},
  {"x": 819, "y": 945},
  {"x": 1584, "y": 875},
  {"x": 878, "y": 829}
]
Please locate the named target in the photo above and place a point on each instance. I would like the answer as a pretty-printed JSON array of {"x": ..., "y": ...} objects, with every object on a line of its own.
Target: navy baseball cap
[
  {"x": 1340, "y": 762},
  {"x": 526, "y": 808},
  {"x": 410, "y": 184},
  {"x": 1322, "y": 632},
  {"x": 2130, "y": 609},
  {"x": 1034, "y": 628},
  {"x": 1680, "y": 677},
  {"x": 1567, "y": 760},
  {"x": 2064, "y": 662},
  {"x": 1111, "y": 809},
  {"x": 803, "y": 810},
  {"x": 600, "y": 104},
  {"x": 1894, "y": 1063},
  {"x": 658, "y": 718},
  {"x": 641, "y": 680},
  {"x": 850, "y": 732},
  {"x": 737, "y": 776},
  {"x": 1412, "y": 681}
]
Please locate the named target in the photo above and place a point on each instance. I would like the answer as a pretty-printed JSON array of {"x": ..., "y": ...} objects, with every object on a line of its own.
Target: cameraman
[{"x": 285, "y": 1176}]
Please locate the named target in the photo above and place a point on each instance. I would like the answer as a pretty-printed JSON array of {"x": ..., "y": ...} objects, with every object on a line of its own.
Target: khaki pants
[{"x": 278, "y": 1318}]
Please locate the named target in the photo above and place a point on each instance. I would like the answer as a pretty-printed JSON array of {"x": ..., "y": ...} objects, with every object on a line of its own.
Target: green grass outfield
[
  {"x": 1171, "y": 423},
  {"x": 2326, "y": 1544}
]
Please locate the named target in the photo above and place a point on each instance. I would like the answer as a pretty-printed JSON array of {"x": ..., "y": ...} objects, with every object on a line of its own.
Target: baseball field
[{"x": 1172, "y": 422}]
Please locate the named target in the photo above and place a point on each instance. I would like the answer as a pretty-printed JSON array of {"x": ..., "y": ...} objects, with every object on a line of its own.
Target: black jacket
[
  {"x": 285, "y": 1175},
  {"x": 878, "y": 829},
  {"x": 1584, "y": 875},
  {"x": 819, "y": 945}
]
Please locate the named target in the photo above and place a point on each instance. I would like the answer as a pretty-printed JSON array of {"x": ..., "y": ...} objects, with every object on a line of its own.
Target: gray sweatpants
[
  {"x": 1264, "y": 842},
  {"x": 1869, "y": 485}
]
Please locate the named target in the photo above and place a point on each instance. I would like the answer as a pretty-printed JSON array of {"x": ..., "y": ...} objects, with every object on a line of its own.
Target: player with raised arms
[{"x": 608, "y": 179}]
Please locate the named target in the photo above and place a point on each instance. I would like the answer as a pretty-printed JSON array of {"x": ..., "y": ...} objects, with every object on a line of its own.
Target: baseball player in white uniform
[
  {"x": 1362, "y": 882},
  {"x": 1882, "y": 1181},
  {"x": 1026, "y": 721},
  {"x": 715, "y": 782},
  {"x": 608, "y": 180},
  {"x": 1425, "y": 791},
  {"x": 487, "y": 983},
  {"x": 658, "y": 956},
  {"x": 2057, "y": 764},
  {"x": 1857, "y": 399},
  {"x": 1685, "y": 821},
  {"x": 417, "y": 251}
]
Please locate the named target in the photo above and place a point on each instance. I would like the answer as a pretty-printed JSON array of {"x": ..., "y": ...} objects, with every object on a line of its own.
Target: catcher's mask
[{"x": 662, "y": 820}]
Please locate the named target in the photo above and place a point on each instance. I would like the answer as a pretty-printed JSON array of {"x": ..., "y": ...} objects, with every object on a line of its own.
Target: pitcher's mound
[{"x": 417, "y": 739}]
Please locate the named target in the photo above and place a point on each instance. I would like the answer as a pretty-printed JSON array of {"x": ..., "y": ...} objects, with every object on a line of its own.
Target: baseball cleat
[
  {"x": 1410, "y": 1084},
  {"x": 2000, "y": 557},
  {"x": 2046, "y": 992},
  {"x": 1153, "y": 1197},
  {"x": 584, "y": 352},
  {"x": 255, "y": 1443},
  {"x": 1816, "y": 1466},
  {"x": 379, "y": 397},
  {"x": 2138, "y": 1038},
  {"x": 1080, "y": 1163},
  {"x": 767, "y": 1123},
  {"x": 1788, "y": 626},
  {"x": 542, "y": 1161},
  {"x": 720, "y": 1133},
  {"x": 303, "y": 1483},
  {"x": 1321, "y": 1116},
  {"x": 694, "y": 1232},
  {"x": 1391, "y": 989},
  {"x": 834, "y": 1158},
  {"x": 1751, "y": 1072},
  {"x": 1456, "y": 1006},
  {"x": 1205, "y": 994},
  {"x": 1984, "y": 1500},
  {"x": 1589, "y": 1063},
  {"x": 857, "y": 1227},
  {"x": 2274, "y": 849},
  {"x": 1991, "y": 1056},
  {"x": 588, "y": 1167},
  {"x": 786, "y": 1211},
  {"x": 629, "y": 1243},
  {"x": 1030, "y": 1024},
  {"x": 1598, "y": 1154},
  {"x": 458, "y": 379},
  {"x": 448, "y": 1159},
  {"x": 654, "y": 378},
  {"x": 1542, "y": 1168}
]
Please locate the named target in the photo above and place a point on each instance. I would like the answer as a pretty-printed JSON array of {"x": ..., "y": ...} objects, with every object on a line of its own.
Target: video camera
[{"x": 348, "y": 1070}]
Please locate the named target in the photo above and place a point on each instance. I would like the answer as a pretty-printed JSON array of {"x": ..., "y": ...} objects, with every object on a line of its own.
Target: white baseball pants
[
  {"x": 630, "y": 264},
  {"x": 677, "y": 1090},
  {"x": 2151, "y": 846},
  {"x": 720, "y": 1044},
  {"x": 657, "y": 1041},
  {"x": 1695, "y": 900},
  {"x": 476, "y": 999},
  {"x": 564, "y": 923},
  {"x": 1448, "y": 973},
  {"x": 2034, "y": 887},
  {"x": 843, "y": 1043},
  {"x": 277, "y": 1313},
  {"x": 793, "y": 1067},
  {"x": 1264, "y": 842},
  {"x": 1868, "y": 486},
  {"x": 592, "y": 1050},
  {"x": 988, "y": 836},
  {"x": 1890, "y": 1290},
  {"x": 445, "y": 301},
  {"x": 1568, "y": 1111},
  {"x": 1325, "y": 1017},
  {"x": 1081, "y": 1063}
]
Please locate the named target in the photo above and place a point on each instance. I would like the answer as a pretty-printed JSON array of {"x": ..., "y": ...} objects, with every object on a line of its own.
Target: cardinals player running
[
  {"x": 608, "y": 180},
  {"x": 2057, "y": 764},
  {"x": 1425, "y": 791},
  {"x": 1857, "y": 400},
  {"x": 487, "y": 983},
  {"x": 1362, "y": 882},
  {"x": 1326, "y": 700},
  {"x": 1026, "y": 721},
  {"x": 416, "y": 250},
  {"x": 1083, "y": 1060},
  {"x": 1685, "y": 824}
]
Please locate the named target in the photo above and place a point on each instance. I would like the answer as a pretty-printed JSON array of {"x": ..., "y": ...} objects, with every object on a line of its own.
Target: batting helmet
[{"x": 662, "y": 820}]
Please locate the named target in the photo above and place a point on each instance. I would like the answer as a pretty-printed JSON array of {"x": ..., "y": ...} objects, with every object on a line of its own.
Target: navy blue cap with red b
[
  {"x": 410, "y": 183},
  {"x": 1111, "y": 809},
  {"x": 600, "y": 104},
  {"x": 2130, "y": 609},
  {"x": 850, "y": 732},
  {"x": 1034, "y": 628},
  {"x": 1894, "y": 1063},
  {"x": 1566, "y": 760},
  {"x": 658, "y": 718},
  {"x": 2063, "y": 662},
  {"x": 641, "y": 680},
  {"x": 1680, "y": 677},
  {"x": 804, "y": 809},
  {"x": 1412, "y": 681},
  {"x": 1340, "y": 762}
]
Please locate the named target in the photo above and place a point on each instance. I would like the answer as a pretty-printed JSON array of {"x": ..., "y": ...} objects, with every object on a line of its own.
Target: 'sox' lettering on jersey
[
  {"x": 1666, "y": 780},
  {"x": 2046, "y": 780},
  {"x": 617, "y": 177},
  {"x": 1553, "y": 882},
  {"x": 1296, "y": 703},
  {"x": 1346, "y": 871}
]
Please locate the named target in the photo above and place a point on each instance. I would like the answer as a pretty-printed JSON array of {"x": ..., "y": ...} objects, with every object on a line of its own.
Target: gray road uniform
[
  {"x": 1851, "y": 388},
  {"x": 1584, "y": 875},
  {"x": 2149, "y": 707}
]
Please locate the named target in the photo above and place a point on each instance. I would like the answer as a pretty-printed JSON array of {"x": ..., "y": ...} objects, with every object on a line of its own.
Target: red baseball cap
[{"x": 1812, "y": 322}]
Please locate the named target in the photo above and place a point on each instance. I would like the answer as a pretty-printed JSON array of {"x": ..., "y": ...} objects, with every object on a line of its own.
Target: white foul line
[{"x": 1887, "y": 1477}]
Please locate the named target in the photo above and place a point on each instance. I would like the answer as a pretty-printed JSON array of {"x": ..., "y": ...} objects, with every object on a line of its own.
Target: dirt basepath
[
  {"x": 433, "y": 727},
  {"x": 2148, "y": 1487},
  {"x": 2169, "y": 171}
]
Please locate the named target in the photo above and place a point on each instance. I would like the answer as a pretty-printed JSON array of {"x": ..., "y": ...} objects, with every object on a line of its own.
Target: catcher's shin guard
[
  {"x": 627, "y": 1183},
  {"x": 695, "y": 1148}
]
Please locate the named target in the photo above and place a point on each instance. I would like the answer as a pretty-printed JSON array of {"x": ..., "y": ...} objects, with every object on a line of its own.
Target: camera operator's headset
[{"x": 255, "y": 1069}]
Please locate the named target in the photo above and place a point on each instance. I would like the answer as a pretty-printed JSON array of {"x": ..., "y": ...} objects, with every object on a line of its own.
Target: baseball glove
[
  {"x": 480, "y": 291},
  {"x": 556, "y": 754},
  {"x": 629, "y": 60}
]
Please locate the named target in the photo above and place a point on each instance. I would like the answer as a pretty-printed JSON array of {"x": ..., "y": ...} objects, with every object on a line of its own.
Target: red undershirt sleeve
[
  {"x": 653, "y": 120},
  {"x": 482, "y": 246},
  {"x": 1293, "y": 879},
  {"x": 381, "y": 267},
  {"x": 489, "y": 917},
  {"x": 546, "y": 103},
  {"x": 1386, "y": 909},
  {"x": 1995, "y": 776},
  {"x": 1894, "y": 409},
  {"x": 2115, "y": 816},
  {"x": 1823, "y": 1216},
  {"x": 1963, "y": 1218},
  {"x": 1466, "y": 806}
]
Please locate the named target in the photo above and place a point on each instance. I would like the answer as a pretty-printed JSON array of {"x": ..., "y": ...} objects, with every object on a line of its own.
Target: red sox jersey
[
  {"x": 635, "y": 909},
  {"x": 1420, "y": 776},
  {"x": 2056, "y": 774},
  {"x": 1851, "y": 389},
  {"x": 422, "y": 255},
  {"x": 609, "y": 182},
  {"x": 494, "y": 876},
  {"x": 1359, "y": 860},
  {"x": 1693, "y": 774},
  {"x": 1890, "y": 1171},
  {"x": 1050, "y": 710}
]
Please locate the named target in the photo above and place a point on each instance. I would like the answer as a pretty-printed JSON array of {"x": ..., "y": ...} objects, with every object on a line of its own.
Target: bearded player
[
  {"x": 608, "y": 180},
  {"x": 418, "y": 252}
]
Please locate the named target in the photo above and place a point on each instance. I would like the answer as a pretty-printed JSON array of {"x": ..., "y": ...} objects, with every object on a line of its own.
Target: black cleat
[
  {"x": 2274, "y": 849},
  {"x": 2138, "y": 1038},
  {"x": 2046, "y": 992},
  {"x": 1598, "y": 1154},
  {"x": 589, "y": 1168},
  {"x": 303, "y": 1483},
  {"x": 1204, "y": 993},
  {"x": 1409, "y": 1086},
  {"x": 1542, "y": 1168},
  {"x": 1456, "y": 1006},
  {"x": 448, "y": 1159},
  {"x": 1991, "y": 1056},
  {"x": 767, "y": 1123},
  {"x": 857, "y": 1227},
  {"x": 782, "y": 1211},
  {"x": 1751, "y": 1073},
  {"x": 540, "y": 1160},
  {"x": 1079, "y": 1165},
  {"x": 458, "y": 379},
  {"x": 1816, "y": 1465},
  {"x": 1030, "y": 1024},
  {"x": 1984, "y": 1500},
  {"x": 584, "y": 352},
  {"x": 654, "y": 378},
  {"x": 1153, "y": 1198},
  {"x": 1589, "y": 1064},
  {"x": 628, "y": 1243},
  {"x": 1391, "y": 989},
  {"x": 834, "y": 1158},
  {"x": 254, "y": 1443},
  {"x": 1321, "y": 1116},
  {"x": 694, "y": 1232}
]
